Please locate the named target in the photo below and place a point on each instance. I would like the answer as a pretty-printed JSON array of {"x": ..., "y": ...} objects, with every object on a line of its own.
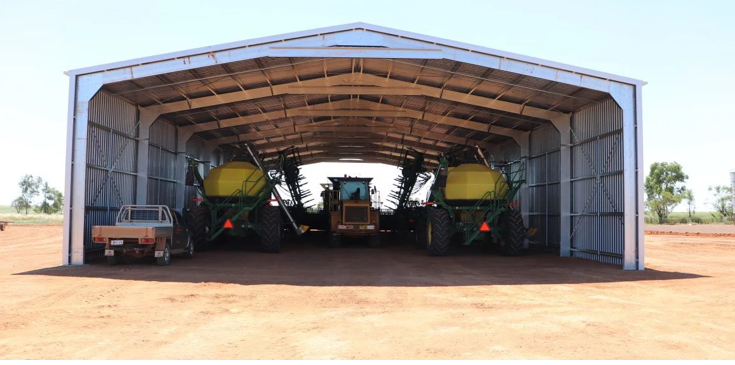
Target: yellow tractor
[{"x": 352, "y": 211}]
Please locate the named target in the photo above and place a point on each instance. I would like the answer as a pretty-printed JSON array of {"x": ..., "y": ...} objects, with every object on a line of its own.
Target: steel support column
[
  {"x": 625, "y": 96},
  {"x": 181, "y": 138},
  {"x": 563, "y": 125},
  {"x": 523, "y": 140},
  {"x": 82, "y": 89},
  {"x": 145, "y": 120}
]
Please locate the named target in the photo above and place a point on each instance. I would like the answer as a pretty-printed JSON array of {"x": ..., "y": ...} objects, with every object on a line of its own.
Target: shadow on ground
[{"x": 309, "y": 263}]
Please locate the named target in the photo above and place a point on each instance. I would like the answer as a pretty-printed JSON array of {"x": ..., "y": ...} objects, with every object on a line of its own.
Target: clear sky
[{"x": 684, "y": 49}]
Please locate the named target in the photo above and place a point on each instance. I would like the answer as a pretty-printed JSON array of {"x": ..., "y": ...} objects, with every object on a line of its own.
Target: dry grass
[{"x": 8, "y": 214}]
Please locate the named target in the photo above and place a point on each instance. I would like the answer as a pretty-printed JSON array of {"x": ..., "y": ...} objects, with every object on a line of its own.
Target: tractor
[
  {"x": 351, "y": 202},
  {"x": 473, "y": 202},
  {"x": 236, "y": 200}
]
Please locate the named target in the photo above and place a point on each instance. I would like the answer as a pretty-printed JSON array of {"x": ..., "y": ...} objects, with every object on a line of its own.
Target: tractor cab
[{"x": 349, "y": 201}]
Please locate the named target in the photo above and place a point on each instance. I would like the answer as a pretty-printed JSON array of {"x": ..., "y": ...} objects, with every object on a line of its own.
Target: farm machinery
[
  {"x": 236, "y": 201},
  {"x": 406, "y": 211},
  {"x": 473, "y": 202},
  {"x": 350, "y": 202}
]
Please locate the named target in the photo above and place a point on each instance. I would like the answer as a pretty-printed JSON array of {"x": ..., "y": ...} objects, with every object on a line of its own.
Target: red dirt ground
[{"x": 311, "y": 302}]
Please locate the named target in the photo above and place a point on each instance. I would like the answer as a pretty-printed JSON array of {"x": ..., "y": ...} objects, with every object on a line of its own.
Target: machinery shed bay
[{"x": 360, "y": 91}]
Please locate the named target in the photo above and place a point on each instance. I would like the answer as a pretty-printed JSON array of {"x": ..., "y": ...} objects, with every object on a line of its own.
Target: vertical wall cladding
[
  {"x": 162, "y": 164},
  {"x": 597, "y": 183},
  {"x": 194, "y": 147},
  {"x": 542, "y": 177},
  {"x": 111, "y": 163}
]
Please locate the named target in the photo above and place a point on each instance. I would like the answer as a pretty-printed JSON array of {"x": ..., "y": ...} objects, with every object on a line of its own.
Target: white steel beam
[
  {"x": 625, "y": 96},
  {"x": 358, "y": 41},
  {"x": 563, "y": 125},
  {"x": 145, "y": 121},
  {"x": 82, "y": 89}
]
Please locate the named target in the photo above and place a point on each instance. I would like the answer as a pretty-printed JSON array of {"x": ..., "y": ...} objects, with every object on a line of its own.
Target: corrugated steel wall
[
  {"x": 597, "y": 183},
  {"x": 162, "y": 164},
  {"x": 111, "y": 163},
  {"x": 542, "y": 177}
]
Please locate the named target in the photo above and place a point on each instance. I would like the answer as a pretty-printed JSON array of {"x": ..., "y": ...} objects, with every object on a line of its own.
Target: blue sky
[{"x": 685, "y": 50}]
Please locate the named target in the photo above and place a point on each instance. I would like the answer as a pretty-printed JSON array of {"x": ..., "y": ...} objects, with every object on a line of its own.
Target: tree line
[
  {"x": 37, "y": 195},
  {"x": 665, "y": 189}
]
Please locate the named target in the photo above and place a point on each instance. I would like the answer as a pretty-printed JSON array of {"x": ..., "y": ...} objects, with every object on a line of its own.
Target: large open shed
[{"x": 360, "y": 91}]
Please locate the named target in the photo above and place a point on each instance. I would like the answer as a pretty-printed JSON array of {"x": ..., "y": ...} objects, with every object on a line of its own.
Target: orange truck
[{"x": 145, "y": 230}]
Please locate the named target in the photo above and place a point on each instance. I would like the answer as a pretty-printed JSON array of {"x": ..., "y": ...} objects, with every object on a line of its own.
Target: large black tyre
[
  {"x": 199, "y": 221},
  {"x": 514, "y": 233},
  {"x": 420, "y": 235},
  {"x": 270, "y": 230},
  {"x": 438, "y": 232}
]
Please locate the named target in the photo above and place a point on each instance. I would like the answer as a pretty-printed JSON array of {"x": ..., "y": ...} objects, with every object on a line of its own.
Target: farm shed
[{"x": 360, "y": 91}]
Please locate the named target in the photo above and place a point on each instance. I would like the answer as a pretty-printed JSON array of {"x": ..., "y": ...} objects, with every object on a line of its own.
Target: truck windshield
[{"x": 353, "y": 190}]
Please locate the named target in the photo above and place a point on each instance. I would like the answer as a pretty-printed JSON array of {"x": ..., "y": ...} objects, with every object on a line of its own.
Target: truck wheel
[
  {"x": 189, "y": 253},
  {"x": 166, "y": 258},
  {"x": 199, "y": 221},
  {"x": 511, "y": 244},
  {"x": 114, "y": 260},
  {"x": 270, "y": 230},
  {"x": 438, "y": 232},
  {"x": 374, "y": 241},
  {"x": 335, "y": 240}
]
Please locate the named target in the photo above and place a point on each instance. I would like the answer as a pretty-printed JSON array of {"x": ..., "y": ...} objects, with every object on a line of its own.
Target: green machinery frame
[
  {"x": 490, "y": 207},
  {"x": 242, "y": 201}
]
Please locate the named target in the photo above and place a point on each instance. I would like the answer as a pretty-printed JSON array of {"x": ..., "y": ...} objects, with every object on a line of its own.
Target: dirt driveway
[{"x": 311, "y": 302}]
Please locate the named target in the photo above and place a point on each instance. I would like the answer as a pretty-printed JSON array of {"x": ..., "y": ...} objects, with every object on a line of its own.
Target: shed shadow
[{"x": 309, "y": 263}]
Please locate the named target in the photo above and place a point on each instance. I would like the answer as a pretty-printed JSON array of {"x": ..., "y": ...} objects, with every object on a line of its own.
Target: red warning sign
[
  {"x": 484, "y": 227},
  {"x": 228, "y": 224}
]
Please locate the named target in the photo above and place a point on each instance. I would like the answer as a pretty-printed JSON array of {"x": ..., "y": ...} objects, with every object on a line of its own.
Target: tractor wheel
[
  {"x": 438, "y": 232},
  {"x": 335, "y": 240},
  {"x": 199, "y": 221},
  {"x": 511, "y": 244},
  {"x": 419, "y": 233},
  {"x": 269, "y": 229}
]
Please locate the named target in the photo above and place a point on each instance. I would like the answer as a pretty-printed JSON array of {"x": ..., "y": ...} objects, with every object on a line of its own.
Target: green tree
[
  {"x": 722, "y": 202},
  {"x": 20, "y": 204},
  {"x": 29, "y": 189},
  {"x": 52, "y": 202},
  {"x": 691, "y": 205},
  {"x": 665, "y": 188}
]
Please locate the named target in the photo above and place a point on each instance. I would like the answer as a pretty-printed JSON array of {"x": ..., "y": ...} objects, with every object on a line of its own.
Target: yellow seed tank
[
  {"x": 472, "y": 181},
  {"x": 226, "y": 179}
]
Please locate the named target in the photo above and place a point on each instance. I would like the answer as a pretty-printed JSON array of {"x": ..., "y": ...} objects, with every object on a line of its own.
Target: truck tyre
[
  {"x": 189, "y": 249},
  {"x": 270, "y": 230},
  {"x": 438, "y": 232},
  {"x": 114, "y": 260},
  {"x": 166, "y": 258},
  {"x": 199, "y": 221},
  {"x": 514, "y": 234}
]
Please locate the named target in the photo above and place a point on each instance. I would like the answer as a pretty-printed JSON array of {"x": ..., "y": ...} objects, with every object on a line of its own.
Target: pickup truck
[{"x": 145, "y": 230}]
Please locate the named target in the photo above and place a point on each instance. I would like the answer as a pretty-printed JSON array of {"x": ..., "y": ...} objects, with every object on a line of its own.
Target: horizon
[{"x": 680, "y": 49}]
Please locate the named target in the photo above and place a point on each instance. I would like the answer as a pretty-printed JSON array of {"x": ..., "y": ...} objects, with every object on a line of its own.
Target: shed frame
[{"x": 384, "y": 102}]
